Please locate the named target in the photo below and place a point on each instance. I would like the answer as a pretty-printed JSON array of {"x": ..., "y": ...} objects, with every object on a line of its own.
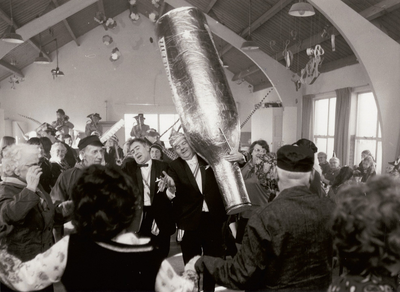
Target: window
[
  {"x": 368, "y": 131},
  {"x": 324, "y": 124},
  {"x": 160, "y": 122}
]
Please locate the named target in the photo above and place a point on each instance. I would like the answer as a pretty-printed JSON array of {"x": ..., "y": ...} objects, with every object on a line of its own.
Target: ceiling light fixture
[
  {"x": 249, "y": 44},
  {"x": 41, "y": 59},
  {"x": 301, "y": 9},
  {"x": 57, "y": 72},
  {"x": 10, "y": 36}
]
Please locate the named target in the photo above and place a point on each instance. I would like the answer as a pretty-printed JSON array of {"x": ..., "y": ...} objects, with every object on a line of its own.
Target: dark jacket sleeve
[
  {"x": 244, "y": 271},
  {"x": 15, "y": 207}
]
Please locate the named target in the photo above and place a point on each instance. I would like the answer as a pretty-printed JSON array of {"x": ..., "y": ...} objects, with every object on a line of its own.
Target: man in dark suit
[
  {"x": 198, "y": 205},
  {"x": 157, "y": 217}
]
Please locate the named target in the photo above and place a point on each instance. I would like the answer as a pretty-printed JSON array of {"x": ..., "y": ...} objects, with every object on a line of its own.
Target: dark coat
[
  {"x": 161, "y": 206},
  {"x": 287, "y": 246},
  {"x": 188, "y": 202},
  {"x": 30, "y": 217}
]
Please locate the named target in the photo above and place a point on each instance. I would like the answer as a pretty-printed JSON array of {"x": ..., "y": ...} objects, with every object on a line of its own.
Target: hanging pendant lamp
[
  {"x": 301, "y": 9},
  {"x": 10, "y": 36},
  {"x": 41, "y": 59},
  {"x": 249, "y": 44},
  {"x": 57, "y": 72}
]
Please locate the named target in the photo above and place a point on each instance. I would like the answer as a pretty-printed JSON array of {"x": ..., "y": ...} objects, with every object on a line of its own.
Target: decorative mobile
[
  {"x": 287, "y": 55},
  {"x": 15, "y": 80},
  {"x": 311, "y": 71}
]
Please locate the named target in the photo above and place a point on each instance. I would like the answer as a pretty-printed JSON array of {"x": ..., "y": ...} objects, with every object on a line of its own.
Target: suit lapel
[
  {"x": 140, "y": 181},
  {"x": 153, "y": 180},
  {"x": 190, "y": 175},
  {"x": 202, "y": 172}
]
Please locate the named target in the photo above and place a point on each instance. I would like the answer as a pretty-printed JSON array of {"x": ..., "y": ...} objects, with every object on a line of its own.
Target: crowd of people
[{"x": 126, "y": 203}]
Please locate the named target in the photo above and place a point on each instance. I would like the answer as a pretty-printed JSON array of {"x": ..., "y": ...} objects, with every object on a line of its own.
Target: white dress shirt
[
  {"x": 146, "y": 174},
  {"x": 195, "y": 168}
]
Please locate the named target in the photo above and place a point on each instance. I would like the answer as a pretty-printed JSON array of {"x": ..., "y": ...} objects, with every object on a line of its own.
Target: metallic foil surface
[{"x": 202, "y": 98}]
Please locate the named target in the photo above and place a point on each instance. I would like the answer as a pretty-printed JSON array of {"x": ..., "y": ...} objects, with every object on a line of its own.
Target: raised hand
[{"x": 32, "y": 177}]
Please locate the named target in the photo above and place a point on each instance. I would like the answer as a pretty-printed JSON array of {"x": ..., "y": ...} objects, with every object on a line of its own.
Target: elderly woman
[
  {"x": 58, "y": 163},
  {"x": 366, "y": 232},
  {"x": 104, "y": 254},
  {"x": 368, "y": 165},
  {"x": 334, "y": 162},
  {"x": 26, "y": 210}
]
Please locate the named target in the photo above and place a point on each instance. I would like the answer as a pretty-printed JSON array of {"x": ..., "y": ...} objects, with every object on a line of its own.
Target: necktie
[{"x": 143, "y": 165}]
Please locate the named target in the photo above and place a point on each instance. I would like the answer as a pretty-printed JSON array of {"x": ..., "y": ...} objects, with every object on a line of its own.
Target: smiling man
[{"x": 157, "y": 220}]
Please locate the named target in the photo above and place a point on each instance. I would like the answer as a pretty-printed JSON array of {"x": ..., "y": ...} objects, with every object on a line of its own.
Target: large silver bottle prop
[{"x": 203, "y": 98}]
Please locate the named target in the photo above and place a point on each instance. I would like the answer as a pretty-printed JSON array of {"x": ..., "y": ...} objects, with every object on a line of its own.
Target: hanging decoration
[
  {"x": 133, "y": 11},
  {"x": 115, "y": 55},
  {"x": 311, "y": 72},
  {"x": 107, "y": 40},
  {"x": 333, "y": 42},
  {"x": 287, "y": 55},
  {"x": 15, "y": 80}
]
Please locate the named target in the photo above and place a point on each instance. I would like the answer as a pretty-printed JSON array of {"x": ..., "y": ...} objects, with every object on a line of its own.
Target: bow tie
[{"x": 143, "y": 165}]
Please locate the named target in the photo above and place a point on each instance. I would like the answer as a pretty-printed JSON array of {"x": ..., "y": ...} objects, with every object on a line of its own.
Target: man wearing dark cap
[
  {"x": 140, "y": 129},
  {"x": 93, "y": 125},
  {"x": 91, "y": 152},
  {"x": 287, "y": 245}
]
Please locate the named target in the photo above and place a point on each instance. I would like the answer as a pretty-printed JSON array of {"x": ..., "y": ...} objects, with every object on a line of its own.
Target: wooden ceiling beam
[
  {"x": 36, "y": 46},
  {"x": 380, "y": 9},
  {"x": 100, "y": 6},
  {"x": 210, "y": 6},
  {"x": 14, "y": 70},
  {"x": 260, "y": 21},
  {"x": 66, "y": 24}
]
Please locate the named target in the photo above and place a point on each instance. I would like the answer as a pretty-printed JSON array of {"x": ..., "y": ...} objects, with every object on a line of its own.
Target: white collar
[
  {"x": 193, "y": 160},
  {"x": 13, "y": 180}
]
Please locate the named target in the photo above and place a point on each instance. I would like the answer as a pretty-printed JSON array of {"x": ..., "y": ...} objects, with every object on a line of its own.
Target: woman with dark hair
[
  {"x": 342, "y": 179},
  {"x": 260, "y": 179},
  {"x": 366, "y": 230},
  {"x": 46, "y": 179},
  {"x": 156, "y": 152},
  {"x": 104, "y": 254}
]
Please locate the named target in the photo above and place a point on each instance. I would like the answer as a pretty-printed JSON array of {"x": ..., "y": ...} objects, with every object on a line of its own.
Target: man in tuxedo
[
  {"x": 198, "y": 206},
  {"x": 157, "y": 217}
]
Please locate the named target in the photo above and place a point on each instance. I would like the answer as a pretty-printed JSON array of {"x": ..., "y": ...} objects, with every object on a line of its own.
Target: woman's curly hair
[
  {"x": 105, "y": 202},
  {"x": 366, "y": 225}
]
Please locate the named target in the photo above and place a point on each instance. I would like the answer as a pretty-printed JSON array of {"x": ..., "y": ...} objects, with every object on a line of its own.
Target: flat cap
[
  {"x": 295, "y": 159},
  {"x": 89, "y": 140}
]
